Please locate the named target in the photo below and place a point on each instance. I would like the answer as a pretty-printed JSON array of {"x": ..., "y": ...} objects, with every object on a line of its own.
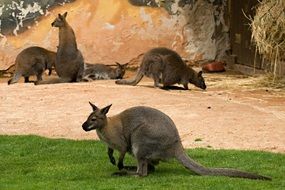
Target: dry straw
[{"x": 268, "y": 33}]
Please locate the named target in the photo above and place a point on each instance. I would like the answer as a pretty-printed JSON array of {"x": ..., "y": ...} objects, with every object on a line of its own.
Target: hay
[
  {"x": 268, "y": 33},
  {"x": 233, "y": 80}
]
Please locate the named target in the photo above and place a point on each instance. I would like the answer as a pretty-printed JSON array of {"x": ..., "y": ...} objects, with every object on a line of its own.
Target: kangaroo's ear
[
  {"x": 105, "y": 110},
  {"x": 117, "y": 63},
  {"x": 125, "y": 65},
  {"x": 64, "y": 15},
  {"x": 200, "y": 73},
  {"x": 93, "y": 106}
]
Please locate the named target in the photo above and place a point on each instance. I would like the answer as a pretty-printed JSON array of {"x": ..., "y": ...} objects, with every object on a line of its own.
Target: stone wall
[{"x": 116, "y": 30}]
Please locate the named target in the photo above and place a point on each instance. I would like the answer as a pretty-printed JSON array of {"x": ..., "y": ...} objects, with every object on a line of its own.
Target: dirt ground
[{"x": 233, "y": 113}]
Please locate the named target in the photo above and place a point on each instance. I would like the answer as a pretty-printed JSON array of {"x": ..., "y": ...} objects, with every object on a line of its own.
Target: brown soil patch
[{"x": 232, "y": 114}]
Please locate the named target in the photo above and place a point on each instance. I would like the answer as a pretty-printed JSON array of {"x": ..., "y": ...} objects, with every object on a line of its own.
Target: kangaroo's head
[
  {"x": 199, "y": 81},
  {"x": 59, "y": 21},
  {"x": 97, "y": 119},
  {"x": 120, "y": 70}
]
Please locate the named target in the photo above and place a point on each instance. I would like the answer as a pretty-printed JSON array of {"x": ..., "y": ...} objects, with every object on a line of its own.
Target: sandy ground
[{"x": 231, "y": 114}]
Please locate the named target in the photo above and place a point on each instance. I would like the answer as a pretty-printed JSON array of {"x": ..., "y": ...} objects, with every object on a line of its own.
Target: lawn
[{"x": 32, "y": 162}]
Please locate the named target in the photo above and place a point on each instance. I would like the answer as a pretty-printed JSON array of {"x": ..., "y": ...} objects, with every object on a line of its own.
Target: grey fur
[
  {"x": 33, "y": 61},
  {"x": 150, "y": 136},
  {"x": 103, "y": 72},
  {"x": 69, "y": 63},
  {"x": 167, "y": 67}
]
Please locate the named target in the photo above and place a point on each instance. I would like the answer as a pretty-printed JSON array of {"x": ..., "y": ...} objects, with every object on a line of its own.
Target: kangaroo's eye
[{"x": 93, "y": 119}]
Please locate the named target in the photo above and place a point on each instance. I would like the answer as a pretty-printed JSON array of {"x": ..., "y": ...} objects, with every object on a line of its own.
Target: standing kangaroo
[
  {"x": 150, "y": 136},
  {"x": 33, "y": 61},
  {"x": 167, "y": 67},
  {"x": 69, "y": 64},
  {"x": 105, "y": 72}
]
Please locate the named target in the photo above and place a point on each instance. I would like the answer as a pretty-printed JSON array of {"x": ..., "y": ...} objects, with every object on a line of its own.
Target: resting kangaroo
[
  {"x": 167, "y": 67},
  {"x": 101, "y": 71},
  {"x": 150, "y": 136},
  {"x": 33, "y": 61},
  {"x": 69, "y": 64}
]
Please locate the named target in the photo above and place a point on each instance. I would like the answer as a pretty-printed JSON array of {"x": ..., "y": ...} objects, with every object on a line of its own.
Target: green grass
[{"x": 31, "y": 162}]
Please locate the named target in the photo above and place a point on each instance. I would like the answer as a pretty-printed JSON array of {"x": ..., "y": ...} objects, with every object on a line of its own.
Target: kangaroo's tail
[
  {"x": 134, "y": 81},
  {"x": 15, "y": 78},
  {"x": 192, "y": 165}
]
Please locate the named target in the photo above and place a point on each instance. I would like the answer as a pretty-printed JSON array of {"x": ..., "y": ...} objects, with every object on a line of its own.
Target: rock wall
[
  {"x": 17, "y": 16},
  {"x": 116, "y": 30}
]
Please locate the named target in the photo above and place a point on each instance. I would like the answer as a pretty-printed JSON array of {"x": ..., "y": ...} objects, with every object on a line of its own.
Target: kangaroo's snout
[
  {"x": 52, "y": 24},
  {"x": 86, "y": 127}
]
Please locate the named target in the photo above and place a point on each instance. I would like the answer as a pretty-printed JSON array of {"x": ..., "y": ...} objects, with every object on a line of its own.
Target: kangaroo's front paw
[{"x": 113, "y": 160}]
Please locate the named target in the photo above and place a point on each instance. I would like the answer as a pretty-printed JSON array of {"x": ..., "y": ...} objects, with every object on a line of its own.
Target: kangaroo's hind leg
[
  {"x": 27, "y": 79},
  {"x": 54, "y": 81},
  {"x": 142, "y": 167},
  {"x": 185, "y": 85},
  {"x": 39, "y": 68},
  {"x": 39, "y": 77},
  {"x": 156, "y": 79}
]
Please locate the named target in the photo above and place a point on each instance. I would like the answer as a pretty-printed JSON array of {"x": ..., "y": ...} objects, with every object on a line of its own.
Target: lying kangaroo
[
  {"x": 167, "y": 67},
  {"x": 150, "y": 136},
  {"x": 69, "y": 63},
  {"x": 33, "y": 61},
  {"x": 101, "y": 71}
]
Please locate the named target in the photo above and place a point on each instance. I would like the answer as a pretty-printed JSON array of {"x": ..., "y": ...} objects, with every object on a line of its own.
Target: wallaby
[
  {"x": 105, "y": 72},
  {"x": 167, "y": 67},
  {"x": 150, "y": 136},
  {"x": 33, "y": 61},
  {"x": 69, "y": 64}
]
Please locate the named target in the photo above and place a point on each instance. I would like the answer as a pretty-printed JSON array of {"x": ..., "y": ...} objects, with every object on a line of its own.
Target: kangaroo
[
  {"x": 101, "y": 71},
  {"x": 32, "y": 61},
  {"x": 167, "y": 67},
  {"x": 69, "y": 64},
  {"x": 150, "y": 136}
]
